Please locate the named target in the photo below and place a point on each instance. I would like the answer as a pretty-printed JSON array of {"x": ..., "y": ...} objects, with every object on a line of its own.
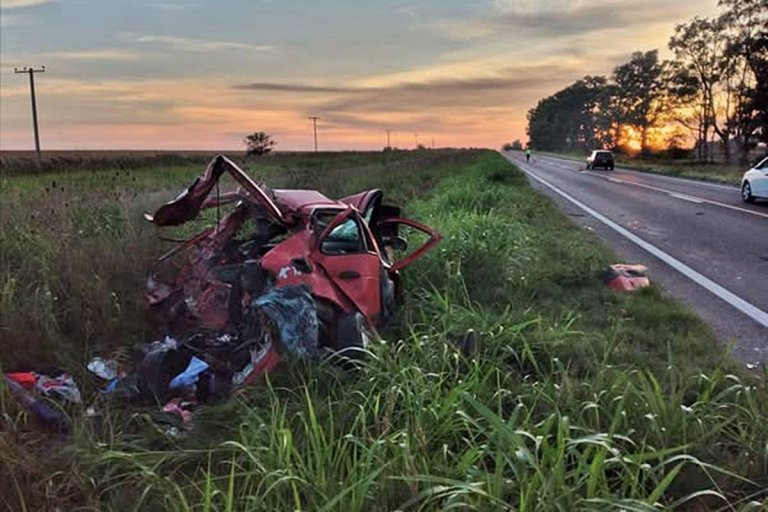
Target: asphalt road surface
[{"x": 700, "y": 242}]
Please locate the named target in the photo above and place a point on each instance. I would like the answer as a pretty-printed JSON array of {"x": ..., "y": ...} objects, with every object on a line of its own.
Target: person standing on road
[{"x": 528, "y": 155}]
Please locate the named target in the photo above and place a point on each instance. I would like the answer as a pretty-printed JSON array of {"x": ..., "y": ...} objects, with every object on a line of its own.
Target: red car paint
[
  {"x": 626, "y": 278},
  {"x": 347, "y": 273}
]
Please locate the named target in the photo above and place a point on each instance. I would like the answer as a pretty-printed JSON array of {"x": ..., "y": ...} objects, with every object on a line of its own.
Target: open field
[
  {"x": 16, "y": 163},
  {"x": 574, "y": 397}
]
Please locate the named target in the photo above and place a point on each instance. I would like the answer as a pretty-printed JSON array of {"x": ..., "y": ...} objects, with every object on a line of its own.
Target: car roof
[
  {"x": 302, "y": 201},
  {"x": 297, "y": 201}
]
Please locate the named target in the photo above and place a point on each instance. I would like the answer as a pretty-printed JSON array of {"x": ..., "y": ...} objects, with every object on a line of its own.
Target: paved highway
[{"x": 700, "y": 242}]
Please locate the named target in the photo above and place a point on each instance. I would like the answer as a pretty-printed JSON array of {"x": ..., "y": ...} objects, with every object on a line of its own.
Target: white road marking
[
  {"x": 685, "y": 197},
  {"x": 668, "y": 178},
  {"x": 731, "y": 298},
  {"x": 672, "y": 193},
  {"x": 730, "y": 188}
]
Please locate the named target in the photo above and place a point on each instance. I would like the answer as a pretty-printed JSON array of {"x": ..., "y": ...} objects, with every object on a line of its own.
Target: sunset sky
[{"x": 194, "y": 74}]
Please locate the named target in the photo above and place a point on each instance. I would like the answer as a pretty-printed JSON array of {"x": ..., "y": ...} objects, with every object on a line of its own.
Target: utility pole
[
  {"x": 389, "y": 146},
  {"x": 416, "y": 140},
  {"x": 31, "y": 72},
  {"x": 433, "y": 143},
  {"x": 314, "y": 124}
]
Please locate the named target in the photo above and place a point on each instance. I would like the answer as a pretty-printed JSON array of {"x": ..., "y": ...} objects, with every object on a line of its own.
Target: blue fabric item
[
  {"x": 293, "y": 310},
  {"x": 189, "y": 376},
  {"x": 110, "y": 387}
]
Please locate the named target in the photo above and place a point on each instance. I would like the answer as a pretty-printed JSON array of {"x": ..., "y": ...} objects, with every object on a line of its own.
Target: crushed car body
[{"x": 282, "y": 271}]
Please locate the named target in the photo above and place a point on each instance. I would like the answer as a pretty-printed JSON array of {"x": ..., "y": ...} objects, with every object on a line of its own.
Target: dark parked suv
[{"x": 600, "y": 158}]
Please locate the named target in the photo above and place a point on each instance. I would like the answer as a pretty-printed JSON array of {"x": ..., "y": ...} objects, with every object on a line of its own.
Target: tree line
[{"x": 714, "y": 91}]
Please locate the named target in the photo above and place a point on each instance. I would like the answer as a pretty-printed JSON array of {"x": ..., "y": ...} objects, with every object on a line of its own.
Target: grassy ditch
[
  {"x": 74, "y": 248},
  {"x": 571, "y": 397}
]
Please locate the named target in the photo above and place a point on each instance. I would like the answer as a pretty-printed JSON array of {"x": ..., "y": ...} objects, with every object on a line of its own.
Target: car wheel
[
  {"x": 156, "y": 371},
  {"x": 611, "y": 167},
  {"x": 353, "y": 338},
  {"x": 327, "y": 319},
  {"x": 746, "y": 193}
]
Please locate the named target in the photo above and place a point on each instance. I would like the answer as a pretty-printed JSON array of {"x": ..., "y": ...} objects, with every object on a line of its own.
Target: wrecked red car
[{"x": 280, "y": 264}]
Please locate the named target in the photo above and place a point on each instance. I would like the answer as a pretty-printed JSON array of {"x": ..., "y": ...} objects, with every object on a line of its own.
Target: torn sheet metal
[{"x": 266, "y": 240}]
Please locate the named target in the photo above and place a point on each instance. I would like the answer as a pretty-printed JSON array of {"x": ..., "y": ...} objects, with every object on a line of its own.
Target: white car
[{"x": 754, "y": 184}]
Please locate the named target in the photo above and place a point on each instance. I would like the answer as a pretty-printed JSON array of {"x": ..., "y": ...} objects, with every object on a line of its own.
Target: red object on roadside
[
  {"x": 24, "y": 379},
  {"x": 626, "y": 278}
]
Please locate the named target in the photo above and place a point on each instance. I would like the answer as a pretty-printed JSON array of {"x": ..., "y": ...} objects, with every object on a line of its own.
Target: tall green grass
[
  {"x": 75, "y": 249},
  {"x": 572, "y": 397}
]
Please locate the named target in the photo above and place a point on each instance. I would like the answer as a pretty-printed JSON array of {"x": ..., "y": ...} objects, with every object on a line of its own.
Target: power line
[
  {"x": 31, "y": 72},
  {"x": 314, "y": 124}
]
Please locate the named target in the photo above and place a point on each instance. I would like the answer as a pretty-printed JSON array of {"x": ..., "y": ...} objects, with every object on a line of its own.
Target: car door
[
  {"x": 389, "y": 229},
  {"x": 348, "y": 256},
  {"x": 760, "y": 181}
]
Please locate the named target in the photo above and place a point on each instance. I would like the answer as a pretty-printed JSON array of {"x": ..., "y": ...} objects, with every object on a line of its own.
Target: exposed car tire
[
  {"x": 353, "y": 338},
  {"x": 327, "y": 319},
  {"x": 155, "y": 372},
  {"x": 746, "y": 193}
]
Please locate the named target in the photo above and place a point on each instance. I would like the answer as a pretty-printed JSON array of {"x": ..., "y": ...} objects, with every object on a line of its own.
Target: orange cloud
[{"x": 472, "y": 91}]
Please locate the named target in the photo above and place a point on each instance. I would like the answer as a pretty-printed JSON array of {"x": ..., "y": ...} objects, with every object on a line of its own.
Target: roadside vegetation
[
  {"x": 75, "y": 248},
  {"x": 568, "y": 396}
]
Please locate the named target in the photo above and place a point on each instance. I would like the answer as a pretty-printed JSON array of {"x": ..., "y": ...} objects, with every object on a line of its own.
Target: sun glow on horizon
[{"x": 450, "y": 71}]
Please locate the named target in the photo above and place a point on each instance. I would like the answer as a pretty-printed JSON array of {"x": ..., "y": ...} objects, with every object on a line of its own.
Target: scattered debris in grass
[{"x": 577, "y": 398}]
